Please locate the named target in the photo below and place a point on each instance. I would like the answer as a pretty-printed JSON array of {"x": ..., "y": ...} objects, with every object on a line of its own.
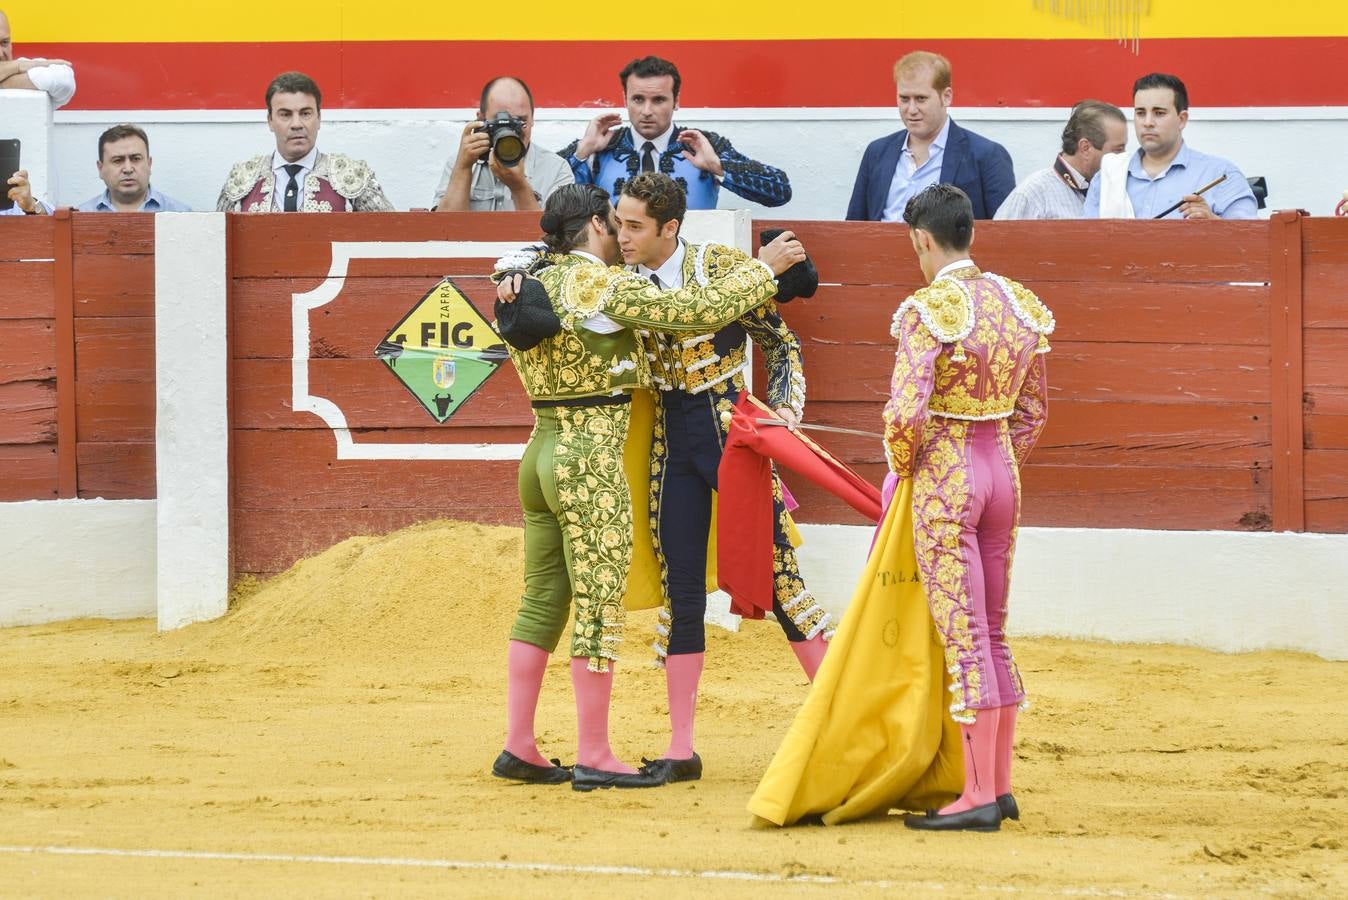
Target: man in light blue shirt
[
  {"x": 1165, "y": 171},
  {"x": 912, "y": 177},
  {"x": 124, "y": 165}
]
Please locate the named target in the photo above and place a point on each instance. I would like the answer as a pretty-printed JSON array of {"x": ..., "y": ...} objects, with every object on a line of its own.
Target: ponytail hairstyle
[{"x": 568, "y": 212}]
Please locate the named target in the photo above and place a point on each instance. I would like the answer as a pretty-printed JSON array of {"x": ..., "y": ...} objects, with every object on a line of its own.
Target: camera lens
[{"x": 509, "y": 149}]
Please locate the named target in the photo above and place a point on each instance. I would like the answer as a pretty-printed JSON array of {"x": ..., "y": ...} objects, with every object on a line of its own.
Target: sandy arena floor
[{"x": 332, "y": 737}]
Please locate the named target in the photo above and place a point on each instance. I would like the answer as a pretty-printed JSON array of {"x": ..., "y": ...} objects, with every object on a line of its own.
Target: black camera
[{"x": 507, "y": 138}]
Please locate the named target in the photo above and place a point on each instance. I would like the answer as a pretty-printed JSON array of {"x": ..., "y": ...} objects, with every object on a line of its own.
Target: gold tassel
[
  {"x": 1043, "y": 345},
  {"x": 957, "y": 355}
]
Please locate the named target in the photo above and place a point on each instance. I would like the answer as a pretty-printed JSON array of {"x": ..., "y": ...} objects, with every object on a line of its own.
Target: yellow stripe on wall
[{"x": 63, "y": 21}]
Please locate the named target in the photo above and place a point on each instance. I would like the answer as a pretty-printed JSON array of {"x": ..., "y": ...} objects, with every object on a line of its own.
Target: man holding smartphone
[{"x": 21, "y": 195}]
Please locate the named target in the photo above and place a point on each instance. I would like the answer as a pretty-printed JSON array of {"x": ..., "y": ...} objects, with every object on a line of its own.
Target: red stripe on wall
[{"x": 1218, "y": 71}]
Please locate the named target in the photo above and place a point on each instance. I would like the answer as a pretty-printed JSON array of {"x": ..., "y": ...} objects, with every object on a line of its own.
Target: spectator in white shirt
[
  {"x": 1059, "y": 191},
  {"x": 55, "y": 77}
]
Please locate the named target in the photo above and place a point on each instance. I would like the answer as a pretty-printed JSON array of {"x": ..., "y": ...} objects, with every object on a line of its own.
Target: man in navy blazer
[{"x": 931, "y": 150}]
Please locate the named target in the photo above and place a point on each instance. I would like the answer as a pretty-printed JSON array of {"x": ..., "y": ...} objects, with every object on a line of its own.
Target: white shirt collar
[
  {"x": 670, "y": 272},
  {"x": 590, "y": 256},
  {"x": 661, "y": 141},
  {"x": 965, "y": 263},
  {"x": 306, "y": 162},
  {"x": 938, "y": 142}
]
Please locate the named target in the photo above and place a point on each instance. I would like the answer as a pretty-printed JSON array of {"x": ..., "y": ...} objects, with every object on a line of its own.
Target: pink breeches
[{"x": 966, "y": 506}]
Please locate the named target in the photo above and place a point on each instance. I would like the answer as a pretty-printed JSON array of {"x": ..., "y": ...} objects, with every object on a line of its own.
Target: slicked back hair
[
  {"x": 945, "y": 212},
  {"x": 1088, "y": 121},
  {"x": 568, "y": 211},
  {"x": 294, "y": 83}
]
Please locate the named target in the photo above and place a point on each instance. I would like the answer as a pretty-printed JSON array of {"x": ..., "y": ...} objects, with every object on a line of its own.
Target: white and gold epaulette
[
  {"x": 244, "y": 176},
  {"x": 944, "y": 307},
  {"x": 714, "y": 260},
  {"x": 347, "y": 175},
  {"x": 1031, "y": 311}
]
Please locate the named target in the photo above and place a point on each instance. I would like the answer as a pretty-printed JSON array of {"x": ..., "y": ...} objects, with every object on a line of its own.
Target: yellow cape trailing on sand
[{"x": 873, "y": 733}]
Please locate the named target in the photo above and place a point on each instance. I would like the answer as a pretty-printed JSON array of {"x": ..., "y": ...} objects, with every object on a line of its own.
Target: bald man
[
  {"x": 476, "y": 180},
  {"x": 55, "y": 77}
]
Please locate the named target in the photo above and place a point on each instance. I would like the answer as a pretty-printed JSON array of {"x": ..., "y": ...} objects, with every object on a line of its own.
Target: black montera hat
[
  {"x": 801, "y": 280},
  {"x": 530, "y": 320}
]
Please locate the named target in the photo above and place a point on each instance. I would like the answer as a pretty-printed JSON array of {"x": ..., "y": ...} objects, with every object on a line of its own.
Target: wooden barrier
[
  {"x": 77, "y": 357},
  {"x": 1198, "y": 370}
]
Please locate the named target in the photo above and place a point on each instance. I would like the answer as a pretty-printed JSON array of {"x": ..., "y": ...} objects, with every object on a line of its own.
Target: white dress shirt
[
  {"x": 57, "y": 82},
  {"x": 670, "y": 272},
  {"x": 278, "y": 165}
]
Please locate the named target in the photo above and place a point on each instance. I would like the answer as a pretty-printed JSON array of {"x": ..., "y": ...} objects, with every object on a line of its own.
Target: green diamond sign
[{"x": 442, "y": 351}]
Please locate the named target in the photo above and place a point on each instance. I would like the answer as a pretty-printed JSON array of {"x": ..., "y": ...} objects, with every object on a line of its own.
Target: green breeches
[{"x": 577, "y": 530}]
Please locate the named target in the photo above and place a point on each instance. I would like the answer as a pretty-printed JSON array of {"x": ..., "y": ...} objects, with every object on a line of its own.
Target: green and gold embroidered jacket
[
  {"x": 717, "y": 359},
  {"x": 583, "y": 362}
]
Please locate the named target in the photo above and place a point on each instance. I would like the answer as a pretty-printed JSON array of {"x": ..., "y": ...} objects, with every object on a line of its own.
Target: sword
[{"x": 834, "y": 428}]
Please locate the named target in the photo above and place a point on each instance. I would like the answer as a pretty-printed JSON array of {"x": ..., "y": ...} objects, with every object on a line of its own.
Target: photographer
[{"x": 477, "y": 180}]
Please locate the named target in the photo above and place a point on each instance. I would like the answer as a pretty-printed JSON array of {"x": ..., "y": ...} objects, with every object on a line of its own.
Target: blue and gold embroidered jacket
[{"x": 621, "y": 162}]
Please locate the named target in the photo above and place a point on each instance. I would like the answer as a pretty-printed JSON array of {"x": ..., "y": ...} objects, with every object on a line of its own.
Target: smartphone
[{"x": 9, "y": 164}]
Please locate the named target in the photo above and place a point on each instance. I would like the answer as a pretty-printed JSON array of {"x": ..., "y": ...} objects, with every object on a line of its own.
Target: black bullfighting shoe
[
  {"x": 672, "y": 770},
  {"x": 511, "y": 767},
  {"x": 583, "y": 778},
  {"x": 1006, "y": 805},
  {"x": 981, "y": 818}
]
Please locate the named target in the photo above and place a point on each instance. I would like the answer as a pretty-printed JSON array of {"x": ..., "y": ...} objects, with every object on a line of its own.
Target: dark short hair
[
  {"x": 664, "y": 197},
  {"x": 121, "y": 133},
  {"x": 650, "y": 67},
  {"x": 294, "y": 83},
  {"x": 568, "y": 211},
  {"x": 945, "y": 212},
  {"x": 486, "y": 89},
  {"x": 1162, "y": 80},
  {"x": 1088, "y": 121}
]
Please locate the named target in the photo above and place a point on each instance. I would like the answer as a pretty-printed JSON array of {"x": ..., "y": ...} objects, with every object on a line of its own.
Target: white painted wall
[
  {"x": 1223, "y": 590},
  {"x": 191, "y": 417},
  {"x": 27, "y": 115},
  {"x": 819, "y": 148},
  {"x": 74, "y": 559}
]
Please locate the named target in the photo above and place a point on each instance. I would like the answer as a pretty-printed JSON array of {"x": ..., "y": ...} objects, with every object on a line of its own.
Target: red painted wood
[
  {"x": 1296, "y": 71},
  {"x": 281, "y": 246},
  {"x": 1327, "y": 432},
  {"x": 1100, "y": 251},
  {"x": 27, "y": 237},
  {"x": 1326, "y": 362},
  {"x": 118, "y": 234},
  {"x": 349, "y": 326},
  {"x": 1285, "y": 331},
  {"x": 370, "y": 397},
  {"x": 1325, "y": 270},
  {"x": 312, "y": 478},
  {"x": 28, "y": 290},
  {"x": 28, "y": 412},
  {"x": 27, "y": 471},
  {"x": 108, "y": 286},
  {"x": 27, "y": 349},
  {"x": 1108, "y": 313},
  {"x": 115, "y": 349},
  {"x": 67, "y": 463},
  {"x": 117, "y": 471},
  {"x": 115, "y": 410}
]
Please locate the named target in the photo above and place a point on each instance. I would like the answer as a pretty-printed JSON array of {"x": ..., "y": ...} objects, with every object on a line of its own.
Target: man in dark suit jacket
[{"x": 931, "y": 150}]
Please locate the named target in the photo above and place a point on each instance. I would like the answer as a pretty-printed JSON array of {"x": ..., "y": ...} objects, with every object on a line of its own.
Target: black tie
[
  {"x": 647, "y": 157},
  {"x": 655, "y": 280},
  {"x": 292, "y": 203}
]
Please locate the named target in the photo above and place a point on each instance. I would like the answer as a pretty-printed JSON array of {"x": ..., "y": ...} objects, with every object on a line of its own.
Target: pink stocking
[
  {"x": 811, "y": 654},
  {"x": 682, "y": 671},
  {"x": 1006, "y": 745},
  {"x": 593, "y": 690},
  {"x": 980, "y": 761},
  {"x": 526, "y": 666}
]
